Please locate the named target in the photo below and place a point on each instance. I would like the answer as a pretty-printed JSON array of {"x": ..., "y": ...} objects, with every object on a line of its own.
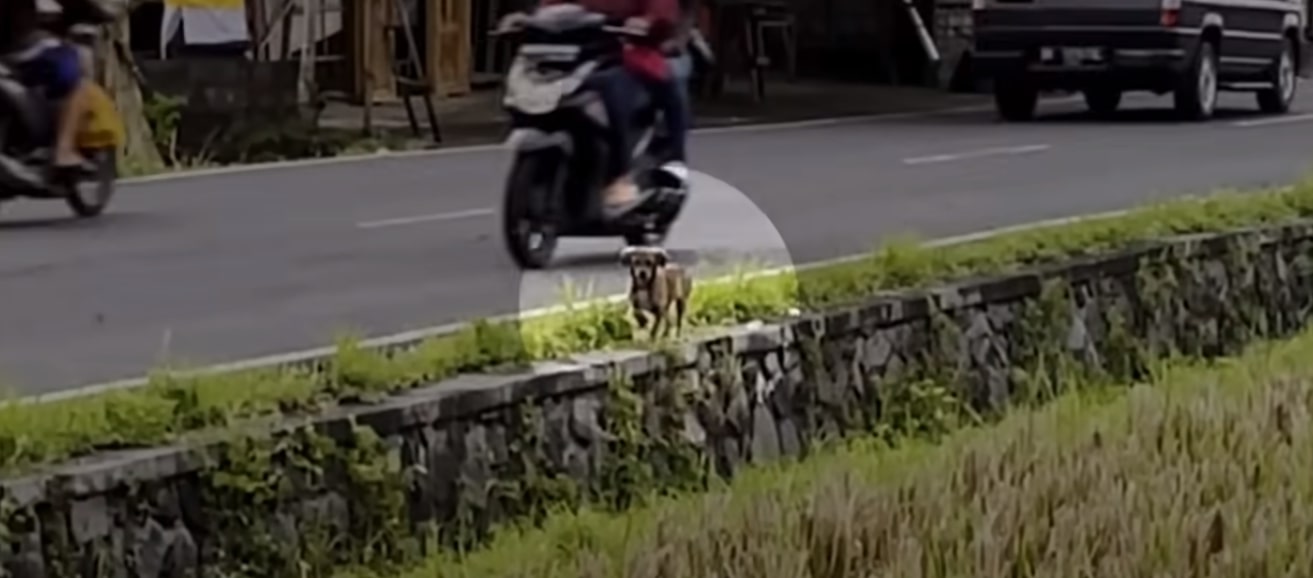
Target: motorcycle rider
[
  {"x": 673, "y": 97},
  {"x": 667, "y": 84},
  {"x": 45, "y": 61},
  {"x": 644, "y": 66}
]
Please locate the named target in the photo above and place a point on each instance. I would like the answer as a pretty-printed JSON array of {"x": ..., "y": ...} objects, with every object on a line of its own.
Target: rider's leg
[
  {"x": 615, "y": 87},
  {"x": 72, "y": 112},
  {"x": 69, "y": 90},
  {"x": 672, "y": 97}
]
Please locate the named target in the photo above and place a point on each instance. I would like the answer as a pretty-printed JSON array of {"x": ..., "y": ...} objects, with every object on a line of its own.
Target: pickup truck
[{"x": 1103, "y": 48}]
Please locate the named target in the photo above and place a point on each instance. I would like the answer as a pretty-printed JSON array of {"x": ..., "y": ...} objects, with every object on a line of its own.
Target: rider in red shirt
[{"x": 645, "y": 60}]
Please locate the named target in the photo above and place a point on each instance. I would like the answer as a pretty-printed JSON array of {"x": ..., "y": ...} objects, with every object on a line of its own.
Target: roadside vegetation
[
  {"x": 291, "y": 141},
  {"x": 174, "y": 404},
  {"x": 1200, "y": 471}
]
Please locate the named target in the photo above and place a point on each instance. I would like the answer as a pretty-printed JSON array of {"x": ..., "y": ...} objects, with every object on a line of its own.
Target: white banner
[{"x": 203, "y": 26}]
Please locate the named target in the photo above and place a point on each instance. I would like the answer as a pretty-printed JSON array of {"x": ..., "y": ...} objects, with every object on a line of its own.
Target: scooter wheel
[
  {"x": 88, "y": 204},
  {"x": 530, "y": 241}
]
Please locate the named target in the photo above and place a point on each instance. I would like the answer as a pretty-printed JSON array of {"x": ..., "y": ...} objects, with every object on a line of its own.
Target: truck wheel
[
  {"x": 1196, "y": 90},
  {"x": 1103, "y": 102},
  {"x": 1277, "y": 100},
  {"x": 1015, "y": 99}
]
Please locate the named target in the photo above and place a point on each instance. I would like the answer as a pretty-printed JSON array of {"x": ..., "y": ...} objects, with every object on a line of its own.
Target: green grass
[
  {"x": 1203, "y": 471},
  {"x": 172, "y": 405}
]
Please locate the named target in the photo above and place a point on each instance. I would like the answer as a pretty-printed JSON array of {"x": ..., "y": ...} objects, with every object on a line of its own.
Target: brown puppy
[{"x": 654, "y": 285}]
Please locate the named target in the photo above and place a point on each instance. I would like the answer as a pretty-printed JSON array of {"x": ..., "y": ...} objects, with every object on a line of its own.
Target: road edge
[{"x": 481, "y": 148}]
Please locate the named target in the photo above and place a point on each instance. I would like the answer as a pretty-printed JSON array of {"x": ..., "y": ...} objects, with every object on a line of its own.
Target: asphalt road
[{"x": 224, "y": 267}]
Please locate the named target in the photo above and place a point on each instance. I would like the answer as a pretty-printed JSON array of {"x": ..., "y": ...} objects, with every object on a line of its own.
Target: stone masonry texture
[{"x": 469, "y": 452}]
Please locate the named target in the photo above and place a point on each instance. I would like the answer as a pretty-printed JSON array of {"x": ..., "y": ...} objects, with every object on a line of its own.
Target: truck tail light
[{"x": 1171, "y": 13}]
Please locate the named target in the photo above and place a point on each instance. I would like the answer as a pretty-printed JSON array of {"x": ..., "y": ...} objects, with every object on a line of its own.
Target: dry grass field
[{"x": 1206, "y": 472}]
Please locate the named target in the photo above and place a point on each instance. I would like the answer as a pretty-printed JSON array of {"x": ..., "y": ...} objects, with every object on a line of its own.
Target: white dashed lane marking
[{"x": 977, "y": 154}]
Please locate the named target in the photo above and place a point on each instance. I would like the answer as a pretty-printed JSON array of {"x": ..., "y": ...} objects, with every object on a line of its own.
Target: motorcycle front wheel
[{"x": 528, "y": 229}]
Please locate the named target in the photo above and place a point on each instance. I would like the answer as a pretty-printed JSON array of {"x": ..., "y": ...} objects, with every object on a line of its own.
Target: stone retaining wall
[
  {"x": 226, "y": 100},
  {"x": 448, "y": 461}
]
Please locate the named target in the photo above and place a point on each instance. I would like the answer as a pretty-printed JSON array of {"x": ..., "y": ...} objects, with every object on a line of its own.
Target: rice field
[{"x": 1205, "y": 472}]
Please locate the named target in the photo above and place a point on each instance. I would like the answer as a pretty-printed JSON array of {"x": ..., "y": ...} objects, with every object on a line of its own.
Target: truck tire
[
  {"x": 1015, "y": 99},
  {"x": 1278, "y": 99},
  {"x": 1196, "y": 91}
]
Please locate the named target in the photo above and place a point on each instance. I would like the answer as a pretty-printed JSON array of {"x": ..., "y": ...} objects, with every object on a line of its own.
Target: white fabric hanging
[
  {"x": 214, "y": 26},
  {"x": 169, "y": 24},
  {"x": 204, "y": 22}
]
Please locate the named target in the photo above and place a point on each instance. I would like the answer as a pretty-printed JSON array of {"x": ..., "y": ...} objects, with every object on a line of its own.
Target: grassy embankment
[
  {"x": 1203, "y": 471},
  {"x": 174, "y": 405}
]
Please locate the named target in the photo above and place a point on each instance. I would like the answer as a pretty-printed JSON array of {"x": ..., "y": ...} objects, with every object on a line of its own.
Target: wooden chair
[
  {"x": 780, "y": 20},
  {"x": 765, "y": 18},
  {"x": 752, "y": 21},
  {"x": 412, "y": 81}
]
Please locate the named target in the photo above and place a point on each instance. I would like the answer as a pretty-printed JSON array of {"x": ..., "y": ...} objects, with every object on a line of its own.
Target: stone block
[
  {"x": 90, "y": 519},
  {"x": 765, "y": 436}
]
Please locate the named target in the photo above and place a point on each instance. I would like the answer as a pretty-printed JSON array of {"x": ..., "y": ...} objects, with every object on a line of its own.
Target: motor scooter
[
  {"x": 558, "y": 137},
  {"x": 27, "y": 128}
]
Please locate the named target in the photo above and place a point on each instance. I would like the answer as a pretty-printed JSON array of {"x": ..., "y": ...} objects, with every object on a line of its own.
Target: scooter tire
[
  {"x": 518, "y": 222},
  {"x": 87, "y": 206}
]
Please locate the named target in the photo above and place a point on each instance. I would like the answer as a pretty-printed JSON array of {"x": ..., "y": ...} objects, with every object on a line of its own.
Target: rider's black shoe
[
  {"x": 674, "y": 175},
  {"x": 67, "y": 176}
]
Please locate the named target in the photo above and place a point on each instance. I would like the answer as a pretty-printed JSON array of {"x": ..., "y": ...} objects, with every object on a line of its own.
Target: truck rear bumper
[
  {"x": 1131, "y": 48},
  {"x": 1143, "y": 68}
]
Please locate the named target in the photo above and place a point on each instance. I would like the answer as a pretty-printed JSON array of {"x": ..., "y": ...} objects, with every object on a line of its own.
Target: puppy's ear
[{"x": 662, "y": 257}]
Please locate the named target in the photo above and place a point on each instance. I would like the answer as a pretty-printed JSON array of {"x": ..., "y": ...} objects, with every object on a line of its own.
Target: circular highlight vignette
[{"x": 720, "y": 232}]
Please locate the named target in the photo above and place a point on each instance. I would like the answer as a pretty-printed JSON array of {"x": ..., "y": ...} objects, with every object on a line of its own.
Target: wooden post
[
  {"x": 258, "y": 18},
  {"x": 353, "y": 35},
  {"x": 450, "y": 55},
  {"x": 372, "y": 51},
  {"x": 116, "y": 72},
  {"x": 433, "y": 45},
  {"x": 285, "y": 36},
  {"x": 309, "y": 30},
  {"x": 368, "y": 121}
]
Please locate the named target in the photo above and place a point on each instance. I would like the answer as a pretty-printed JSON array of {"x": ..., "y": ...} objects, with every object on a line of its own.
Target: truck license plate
[{"x": 1070, "y": 55}]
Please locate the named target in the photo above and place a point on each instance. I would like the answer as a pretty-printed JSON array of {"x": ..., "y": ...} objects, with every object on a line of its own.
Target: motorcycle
[
  {"x": 27, "y": 124},
  {"x": 558, "y": 138}
]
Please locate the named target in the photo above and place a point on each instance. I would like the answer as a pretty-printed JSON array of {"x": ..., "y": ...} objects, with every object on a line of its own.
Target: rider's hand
[
  {"x": 512, "y": 21},
  {"x": 639, "y": 25}
]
